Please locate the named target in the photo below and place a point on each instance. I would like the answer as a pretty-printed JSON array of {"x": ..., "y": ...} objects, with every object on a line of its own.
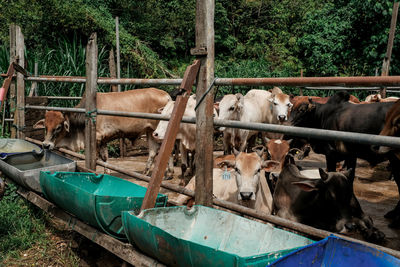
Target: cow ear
[
  {"x": 288, "y": 160},
  {"x": 291, "y": 96},
  {"x": 160, "y": 110},
  {"x": 216, "y": 105},
  {"x": 307, "y": 186},
  {"x": 271, "y": 98},
  {"x": 240, "y": 98},
  {"x": 39, "y": 125},
  {"x": 289, "y": 141},
  {"x": 324, "y": 175},
  {"x": 270, "y": 165}
]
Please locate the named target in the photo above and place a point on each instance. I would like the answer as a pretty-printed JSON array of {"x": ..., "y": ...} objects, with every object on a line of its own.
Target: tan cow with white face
[
  {"x": 281, "y": 106},
  {"x": 67, "y": 129},
  {"x": 240, "y": 178}
]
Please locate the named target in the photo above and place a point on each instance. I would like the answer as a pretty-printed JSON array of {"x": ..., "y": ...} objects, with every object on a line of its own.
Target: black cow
[
  {"x": 338, "y": 114},
  {"x": 327, "y": 203}
]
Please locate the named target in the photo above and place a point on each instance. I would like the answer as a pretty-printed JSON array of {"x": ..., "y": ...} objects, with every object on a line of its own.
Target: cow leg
[
  {"x": 184, "y": 160},
  {"x": 395, "y": 213},
  {"x": 192, "y": 163},
  {"x": 243, "y": 139},
  {"x": 153, "y": 148},
  {"x": 330, "y": 163},
  {"x": 227, "y": 143}
]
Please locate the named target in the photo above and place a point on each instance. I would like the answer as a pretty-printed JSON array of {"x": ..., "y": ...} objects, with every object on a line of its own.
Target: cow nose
[
  {"x": 246, "y": 195},
  {"x": 46, "y": 145},
  {"x": 155, "y": 134},
  {"x": 281, "y": 118}
]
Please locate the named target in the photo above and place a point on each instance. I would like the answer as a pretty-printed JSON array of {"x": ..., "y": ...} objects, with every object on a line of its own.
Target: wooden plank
[
  {"x": 13, "y": 92},
  {"x": 170, "y": 136},
  {"x": 124, "y": 251},
  {"x": 204, "y": 112},
  {"x": 386, "y": 60},
  {"x": 90, "y": 103},
  {"x": 32, "y": 92},
  {"x": 33, "y": 116},
  {"x": 20, "y": 50}
]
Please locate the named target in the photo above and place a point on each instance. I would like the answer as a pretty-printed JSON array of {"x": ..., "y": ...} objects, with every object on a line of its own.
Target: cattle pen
[{"x": 204, "y": 75}]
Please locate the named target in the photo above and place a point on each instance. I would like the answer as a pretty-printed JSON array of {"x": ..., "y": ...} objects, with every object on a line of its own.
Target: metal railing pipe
[
  {"x": 313, "y": 81},
  {"x": 358, "y": 138}
]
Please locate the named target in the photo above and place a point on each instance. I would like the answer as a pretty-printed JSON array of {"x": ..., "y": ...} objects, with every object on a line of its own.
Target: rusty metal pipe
[
  {"x": 313, "y": 81},
  {"x": 288, "y": 81}
]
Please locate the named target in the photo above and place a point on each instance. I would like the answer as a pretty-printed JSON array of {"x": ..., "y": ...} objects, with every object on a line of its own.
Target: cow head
[
  {"x": 277, "y": 148},
  {"x": 159, "y": 132},
  {"x": 304, "y": 114},
  {"x": 230, "y": 107},
  {"x": 281, "y": 105},
  {"x": 56, "y": 126},
  {"x": 248, "y": 167}
]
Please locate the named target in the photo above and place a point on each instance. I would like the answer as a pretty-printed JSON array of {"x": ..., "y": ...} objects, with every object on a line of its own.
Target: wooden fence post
[
  {"x": 90, "y": 104},
  {"x": 204, "y": 112},
  {"x": 12, "y": 96},
  {"x": 386, "y": 60},
  {"x": 20, "y": 83}
]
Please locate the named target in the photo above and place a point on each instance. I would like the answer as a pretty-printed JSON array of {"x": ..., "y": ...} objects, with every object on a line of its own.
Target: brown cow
[
  {"x": 67, "y": 129},
  {"x": 391, "y": 127},
  {"x": 298, "y": 100}
]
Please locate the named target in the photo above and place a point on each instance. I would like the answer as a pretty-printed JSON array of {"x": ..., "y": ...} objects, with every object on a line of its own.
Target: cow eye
[
  {"x": 231, "y": 108},
  {"x": 259, "y": 169},
  {"x": 275, "y": 103},
  {"x": 237, "y": 170}
]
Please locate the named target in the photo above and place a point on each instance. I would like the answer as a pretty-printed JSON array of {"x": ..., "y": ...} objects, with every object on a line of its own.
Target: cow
[
  {"x": 240, "y": 179},
  {"x": 281, "y": 105},
  {"x": 391, "y": 127},
  {"x": 298, "y": 100},
  {"x": 327, "y": 203},
  {"x": 67, "y": 129},
  {"x": 255, "y": 106},
  {"x": 339, "y": 114},
  {"x": 378, "y": 98},
  {"x": 186, "y": 133}
]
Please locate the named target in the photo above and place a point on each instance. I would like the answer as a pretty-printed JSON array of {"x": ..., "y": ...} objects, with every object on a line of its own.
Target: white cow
[
  {"x": 256, "y": 106},
  {"x": 240, "y": 179},
  {"x": 186, "y": 134}
]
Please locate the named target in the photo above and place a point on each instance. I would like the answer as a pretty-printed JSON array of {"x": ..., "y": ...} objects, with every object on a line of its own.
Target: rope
[
  {"x": 204, "y": 95},
  {"x": 92, "y": 114}
]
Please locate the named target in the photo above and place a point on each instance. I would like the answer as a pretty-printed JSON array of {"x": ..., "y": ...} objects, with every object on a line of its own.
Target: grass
[{"x": 26, "y": 238}]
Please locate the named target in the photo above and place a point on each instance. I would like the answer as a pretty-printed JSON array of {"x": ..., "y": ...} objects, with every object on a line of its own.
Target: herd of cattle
[{"x": 264, "y": 177}]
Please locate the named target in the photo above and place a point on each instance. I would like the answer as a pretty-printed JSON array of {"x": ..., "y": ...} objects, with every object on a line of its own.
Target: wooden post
[
  {"x": 386, "y": 60},
  {"x": 117, "y": 47},
  {"x": 170, "y": 136},
  {"x": 204, "y": 112},
  {"x": 90, "y": 103},
  {"x": 12, "y": 97},
  {"x": 20, "y": 83},
  {"x": 113, "y": 70},
  {"x": 122, "y": 146}
]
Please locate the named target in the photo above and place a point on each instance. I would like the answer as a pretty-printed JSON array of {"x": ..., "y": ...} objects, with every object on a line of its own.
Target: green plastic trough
[
  {"x": 204, "y": 236},
  {"x": 95, "y": 199}
]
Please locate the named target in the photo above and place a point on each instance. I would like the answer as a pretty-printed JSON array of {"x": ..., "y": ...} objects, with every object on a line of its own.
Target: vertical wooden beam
[
  {"x": 170, "y": 136},
  {"x": 113, "y": 70},
  {"x": 301, "y": 88},
  {"x": 90, "y": 103},
  {"x": 386, "y": 60},
  {"x": 117, "y": 47},
  {"x": 20, "y": 83},
  {"x": 12, "y": 98},
  {"x": 204, "y": 112}
]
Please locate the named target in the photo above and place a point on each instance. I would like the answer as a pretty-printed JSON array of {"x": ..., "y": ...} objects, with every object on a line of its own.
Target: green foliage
[{"x": 21, "y": 224}]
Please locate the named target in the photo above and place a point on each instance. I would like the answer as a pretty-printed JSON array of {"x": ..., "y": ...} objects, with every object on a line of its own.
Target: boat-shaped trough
[
  {"x": 203, "y": 236},
  {"x": 96, "y": 199}
]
